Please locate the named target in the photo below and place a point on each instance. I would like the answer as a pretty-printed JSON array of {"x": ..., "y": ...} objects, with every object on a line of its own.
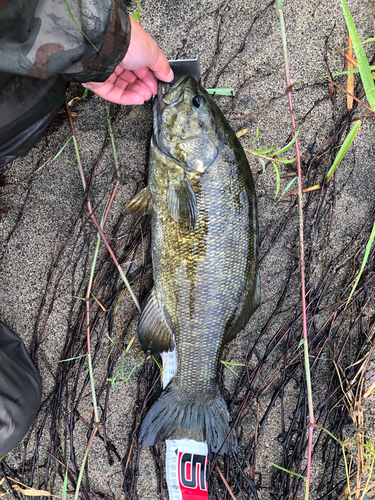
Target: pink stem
[{"x": 302, "y": 253}]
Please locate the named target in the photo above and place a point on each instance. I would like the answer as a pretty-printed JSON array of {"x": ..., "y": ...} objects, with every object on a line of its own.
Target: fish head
[{"x": 184, "y": 124}]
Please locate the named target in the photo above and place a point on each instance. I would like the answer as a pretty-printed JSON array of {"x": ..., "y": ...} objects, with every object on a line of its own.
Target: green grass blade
[
  {"x": 132, "y": 370},
  {"x": 256, "y": 137},
  {"x": 78, "y": 26},
  {"x": 71, "y": 359},
  {"x": 228, "y": 92},
  {"x": 230, "y": 363},
  {"x": 302, "y": 341},
  {"x": 368, "y": 40},
  {"x": 277, "y": 179},
  {"x": 289, "y": 145},
  {"x": 288, "y": 471},
  {"x": 330, "y": 434},
  {"x": 289, "y": 186},
  {"x": 365, "y": 258},
  {"x": 261, "y": 151},
  {"x": 82, "y": 469},
  {"x": 348, "y": 72},
  {"x": 229, "y": 368},
  {"x": 363, "y": 65},
  {"x": 2, "y": 458},
  {"x": 129, "y": 345},
  {"x": 137, "y": 15},
  {"x": 62, "y": 149},
  {"x": 157, "y": 363},
  {"x": 365, "y": 489},
  {"x": 112, "y": 139},
  {"x": 65, "y": 486},
  {"x": 263, "y": 163},
  {"x": 344, "y": 148},
  {"x": 284, "y": 160}
]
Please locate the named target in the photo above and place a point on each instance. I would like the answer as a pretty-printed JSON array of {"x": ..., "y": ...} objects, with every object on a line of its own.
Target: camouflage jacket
[{"x": 44, "y": 44}]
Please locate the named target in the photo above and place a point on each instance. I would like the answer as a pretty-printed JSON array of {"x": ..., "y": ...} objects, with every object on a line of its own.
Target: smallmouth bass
[{"x": 204, "y": 251}]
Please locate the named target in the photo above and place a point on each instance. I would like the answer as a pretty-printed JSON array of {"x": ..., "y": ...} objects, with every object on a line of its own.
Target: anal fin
[
  {"x": 141, "y": 204},
  {"x": 154, "y": 333}
]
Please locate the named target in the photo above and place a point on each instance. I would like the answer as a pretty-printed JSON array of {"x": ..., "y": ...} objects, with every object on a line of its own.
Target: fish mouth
[
  {"x": 165, "y": 98},
  {"x": 173, "y": 98}
]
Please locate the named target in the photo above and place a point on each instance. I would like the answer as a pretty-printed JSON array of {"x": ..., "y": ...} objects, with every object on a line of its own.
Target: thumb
[{"x": 161, "y": 68}]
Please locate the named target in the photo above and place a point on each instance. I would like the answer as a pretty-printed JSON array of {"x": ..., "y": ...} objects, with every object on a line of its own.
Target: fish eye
[{"x": 197, "y": 101}]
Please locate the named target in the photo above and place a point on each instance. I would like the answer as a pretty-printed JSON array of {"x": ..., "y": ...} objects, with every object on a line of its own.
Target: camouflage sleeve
[{"x": 81, "y": 40}]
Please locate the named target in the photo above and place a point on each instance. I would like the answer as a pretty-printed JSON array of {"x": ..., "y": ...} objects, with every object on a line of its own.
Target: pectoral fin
[
  {"x": 141, "y": 204},
  {"x": 154, "y": 333},
  {"x": 182, "y": 202}
]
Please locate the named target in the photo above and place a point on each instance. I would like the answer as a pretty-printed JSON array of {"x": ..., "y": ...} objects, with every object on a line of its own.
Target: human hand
[{"x": 134, "y": 80}]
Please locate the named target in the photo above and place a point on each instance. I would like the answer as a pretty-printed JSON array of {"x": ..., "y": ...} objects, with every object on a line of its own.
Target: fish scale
[{"x": 204, "y": 251}]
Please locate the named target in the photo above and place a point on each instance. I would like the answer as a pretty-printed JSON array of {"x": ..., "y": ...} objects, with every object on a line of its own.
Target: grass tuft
[
  {"x": 363, "y": 65},
  {"x": 269, "y": 154}
]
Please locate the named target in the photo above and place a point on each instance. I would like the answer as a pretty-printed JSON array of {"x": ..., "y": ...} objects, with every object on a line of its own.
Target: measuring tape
[{"x": 186, "y": 459}]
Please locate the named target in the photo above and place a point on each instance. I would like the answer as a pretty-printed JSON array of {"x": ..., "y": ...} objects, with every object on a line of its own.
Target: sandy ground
[{"x": 46, "y": 213}]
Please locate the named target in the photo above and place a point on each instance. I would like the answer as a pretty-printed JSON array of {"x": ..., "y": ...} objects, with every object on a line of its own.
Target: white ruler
[
  {"x": 169, "y": 366},
  {"x": 186, "y": 460}
]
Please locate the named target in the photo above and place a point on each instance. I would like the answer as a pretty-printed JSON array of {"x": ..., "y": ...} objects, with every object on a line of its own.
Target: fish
[{"x": 204, "y": 241}]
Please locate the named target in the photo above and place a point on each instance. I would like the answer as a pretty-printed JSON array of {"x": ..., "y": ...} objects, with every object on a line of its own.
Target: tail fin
[{"x": 179, "y": 415}]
